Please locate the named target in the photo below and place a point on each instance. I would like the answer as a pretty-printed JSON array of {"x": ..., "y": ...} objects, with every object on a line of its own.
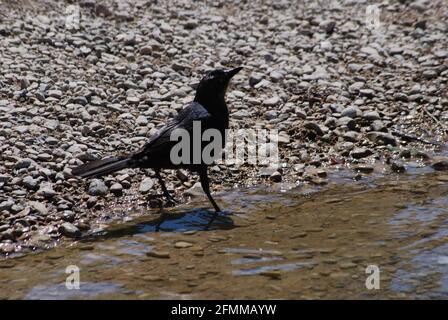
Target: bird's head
[{"x": 214, "y": 85}]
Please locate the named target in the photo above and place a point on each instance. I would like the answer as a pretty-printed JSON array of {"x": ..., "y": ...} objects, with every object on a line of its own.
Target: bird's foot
[{"x": 170, "y": 201}]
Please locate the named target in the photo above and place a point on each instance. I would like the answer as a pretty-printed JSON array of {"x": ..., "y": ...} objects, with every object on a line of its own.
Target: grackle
[{"x": 208, "y": 107}]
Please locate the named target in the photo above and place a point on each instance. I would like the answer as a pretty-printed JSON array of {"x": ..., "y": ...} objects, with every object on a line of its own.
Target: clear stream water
[{"x": 300, "y": 243}]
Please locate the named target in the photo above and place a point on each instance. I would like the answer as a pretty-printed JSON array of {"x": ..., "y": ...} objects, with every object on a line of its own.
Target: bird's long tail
[{"x": 102, "y": 167}]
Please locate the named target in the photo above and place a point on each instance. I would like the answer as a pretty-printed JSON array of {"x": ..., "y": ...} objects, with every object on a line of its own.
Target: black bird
[{"x": 209, "y": 108}]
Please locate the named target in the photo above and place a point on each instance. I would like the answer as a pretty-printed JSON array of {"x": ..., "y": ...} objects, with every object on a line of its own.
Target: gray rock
[
  {"x": 441, "y": 165},
  {"x": 195, "y": 191},
  {"x": 7, "y": 248},
  {"x": 430, "y": 74},
  {"x": 328, "y": 26},
  {"x": 190, "y": 24},
  {"x": 79, "y": 100},
  {"x": 272, "y": 102},
  {"x": 6, "y": 205},
  {"x": 4, "y": 178},
  {"x": 133, "y": 100},
  {"x": 69, "y": 230},
  {"x": 381, "y": 138},
  {"x": 55, "y": 94},
  {"x": 30, "y": 183},
  {"x": 313, "y": 126},
  {"x": 348, "y": 122},
  {"x": 369, "y": 93},
  {"x": 146, "y": 50},
  {"x": 45, "y": 157},
  {"x": 441, "y": 54},
  {"x": 301, "y": 114},
  {"x": 351, "y": 136},
  {"x": 68, "y": 216},
  {"x": 396, "y": 50},
  {"x": 276, "y": 177},
  {"x": 38, "y": 207},
  {"x": 271, "y": 114},
  {"x": 141, "y": 120},
  {"x": 371, "y": 115},
  {"x": 372, "y": 52},
  {"x": 23, "y": 163},
  {"x": 102, "y": 9},
  {"x": 97, "y": 188},
  {"x": 276, "y": 76},
  {"x": 146, "y": 185},
  {"x": 359, "y": 153},
  {"x": 377, "y": 125},
  {"x": 255, "y": 78},
  {"x": 351, "y": 112},
  {"x": 355, "y": 87},
  {"x": 51, "y": 124},
  {"x": 116, "y": 189},
  {"x": 241, "y": 114},
  {"x": 364, "y": 168},
  {"x": 46, "y": 191},
  {"x": 130, "y": 39},
  {"x": 397, "y": 166}
]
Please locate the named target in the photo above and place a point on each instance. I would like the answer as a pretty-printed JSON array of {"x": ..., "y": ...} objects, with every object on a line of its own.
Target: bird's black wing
[{"x": 160, "y": 142}]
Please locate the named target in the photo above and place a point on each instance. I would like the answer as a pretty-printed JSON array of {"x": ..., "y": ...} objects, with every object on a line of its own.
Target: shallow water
[{"x": 274, "y": 242}]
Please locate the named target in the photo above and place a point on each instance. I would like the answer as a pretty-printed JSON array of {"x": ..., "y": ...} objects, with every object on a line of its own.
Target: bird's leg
[
  {"x": 162, "y": 219},
  {"x": 206, "y": 187},
  {"x": 167, "y": 195}
]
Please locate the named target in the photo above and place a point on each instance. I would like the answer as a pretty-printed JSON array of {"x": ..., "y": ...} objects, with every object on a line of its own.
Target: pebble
[
  {"x": 46, "y": 191},
  {"x": 348, "y": 122},
  {"x": 146, "y": 185},
  {"x": 55, "y": 94},
  {"x": 141, "y": 121},
  {"x": 397, "y": 166},
  {"x": 351, "y": 112},
  {"x": 369, "y": 93},
  {"x": 313, "y": 126},
  {"x": 381, "y": 138},
  {"x": 255, "y": 78},
  {"x": 195, "y": 191},
  {"x": 276, "y": 177},
  {"x": 6, "y": 205},
  {"x": 23, "y": 163},
  {"x": 158, "y": 254},
  {"x": 39, "y": 207},
  {"x": 273, "y": 274},
  {"x": 116, "y": 189},
  {"x": 97, "y": 188},
  {"x": 69, "y": 230},
  {"x": 272, "y": 102},
  {"x": 371, "y": 116},
  {"x": 7, "y": 248},
  {"x": 146, "y": 51},
  {"x": 30, "y": 183},
  {"x": 359, "y": 153},
  {"x": 440, "y": 165},
  {"x": 271, "y": 114},
  {"x": 276, "y": 76},
  {"x": 364, "y": 168},
  {"x": 182, "y": 244}
]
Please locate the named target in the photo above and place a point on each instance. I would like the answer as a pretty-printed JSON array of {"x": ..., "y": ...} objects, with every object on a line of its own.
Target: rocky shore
[{"x": 76, "y": 87}]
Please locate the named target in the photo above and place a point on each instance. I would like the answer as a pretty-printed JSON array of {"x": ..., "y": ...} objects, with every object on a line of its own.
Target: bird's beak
[{"x": 232, "y": 72}]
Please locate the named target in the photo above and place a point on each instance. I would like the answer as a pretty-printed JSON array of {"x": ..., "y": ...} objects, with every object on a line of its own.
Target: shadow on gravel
[{"x": 200, "y": 219}]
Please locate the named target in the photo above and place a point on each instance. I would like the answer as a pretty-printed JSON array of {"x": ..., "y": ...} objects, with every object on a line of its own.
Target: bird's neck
[{"x": 215, "y": 105}]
